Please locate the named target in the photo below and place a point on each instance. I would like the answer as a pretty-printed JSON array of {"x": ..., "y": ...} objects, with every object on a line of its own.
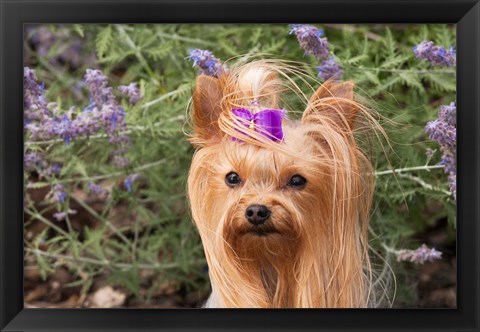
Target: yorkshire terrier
[{"x": 281, "y": 206}]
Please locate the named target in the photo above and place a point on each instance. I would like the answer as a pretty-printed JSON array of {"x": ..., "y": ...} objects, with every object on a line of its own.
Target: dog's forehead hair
[{"x": 261, "y": 164}]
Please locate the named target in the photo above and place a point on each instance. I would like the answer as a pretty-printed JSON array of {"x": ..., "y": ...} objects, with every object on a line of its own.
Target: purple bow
[{"x": 266, "y": 122}]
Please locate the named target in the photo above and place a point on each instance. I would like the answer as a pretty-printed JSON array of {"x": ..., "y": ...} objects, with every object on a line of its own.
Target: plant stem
[
  {"x": 99, "y": 217},
  {"x": 423, "y": 71},
  {"x": 423, "y": 183},
  {"x": 138, "y": 53},
  {"x": 409, "y": 169},
  {"x": 179, "y": 90},
  {"x": 185, "y": 39},
  {"x": 36, "y": 215},
  {"x": 114, "y": 174},
  {"x": 143, "y": 266}
]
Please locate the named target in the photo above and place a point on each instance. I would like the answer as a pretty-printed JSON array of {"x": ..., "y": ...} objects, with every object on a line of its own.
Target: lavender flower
[
  {"x": 436, "y": 55},
  {"x": 95, "y": 189},
  {"x": 121, "y": 161},
  {"x": 310, "y": 39},
  {"x": 58, "y": 193},
  {"x": 420, "y": 256},
  {"x": 31, "y": 161},
  {"x": 63, "y": 215},
  {"x": 33, "y": 96},
  {"x": 448, "y": 114},
  {"x": 35, "y": 161},
  {"x": 72, "y": 51},
  {"x": 111, "y": 115},
  {"x": 329, "y": 69},
  {"x": 44, "y": 121},
  {"x": 129, "y": 180},
  {"x": 65, "y": 129},
  {"x": 131, "y": 91},
  {"x": 207, "y": 63},
  {"x": 42, "y": 39},
  {"x": 98, "y": 86},
  {"x": 55, "y": 169},
  {"x": 444, "y": 131},
  {"x": 88, "y": 122},
  {"x": 450, "y": 163}
]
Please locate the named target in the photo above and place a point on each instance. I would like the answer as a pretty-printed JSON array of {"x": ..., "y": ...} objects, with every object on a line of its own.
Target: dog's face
[
  {"x": 283, "y": 216},
  {"x": 264, "y": 202}
]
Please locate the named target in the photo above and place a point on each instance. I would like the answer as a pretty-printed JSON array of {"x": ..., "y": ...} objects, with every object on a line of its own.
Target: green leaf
[
  {"x": 161, "y": 51},
  {"x": 126, "y": 278},
  {"x": 78, "y": 28},
  {"x": 372, "y": 77},
  {"x": 274, "y": 46},
  {"x": 394, "y": 61},
  {"x": 256, "y": 35},
  {"x": 441, "y": 82},
  {"x": 356, "y": 59},
  {"x": 104, "y": 40},
  {"x": 80, "y": 168},
  {"x": 390, "y": 44},
  {"x": 37, "y": 185},
  {"x": 387, "y": 84},
  {"x": 411, "y": 79}
]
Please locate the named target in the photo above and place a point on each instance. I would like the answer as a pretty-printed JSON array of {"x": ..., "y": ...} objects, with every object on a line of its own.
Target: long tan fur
[{"x": 318, "y": 255}]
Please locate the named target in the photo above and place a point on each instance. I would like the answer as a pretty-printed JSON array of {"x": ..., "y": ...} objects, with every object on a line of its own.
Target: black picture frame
[{"x": 15, "y": 13}]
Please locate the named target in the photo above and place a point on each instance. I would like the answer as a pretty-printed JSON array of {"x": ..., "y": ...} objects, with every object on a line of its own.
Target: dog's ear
[
  {"x": 334, "y": 100},
  {"x": 207, "y": 100}
]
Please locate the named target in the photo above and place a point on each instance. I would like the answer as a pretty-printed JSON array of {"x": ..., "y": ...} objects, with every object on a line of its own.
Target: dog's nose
[{"x": 257, "y": 214}]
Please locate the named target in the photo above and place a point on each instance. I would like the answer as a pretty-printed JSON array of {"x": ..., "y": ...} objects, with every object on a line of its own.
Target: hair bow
[{"x": 266, "y": 122}]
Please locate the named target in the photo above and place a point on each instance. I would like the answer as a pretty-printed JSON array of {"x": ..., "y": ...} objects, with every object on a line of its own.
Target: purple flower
[
  {"x": 420, "y": 256},
  {"x": 58, "y": 193},
  {"x": 121, "y": 161},
  {"x": 88, "y": 123},
  {"x": 206, "y": 62},
  {"x": 442, "y": 132},
  {"x": 129, "y": 180},
  {"x": 32, "y": 160},
  {"x": 102, "y": 113},
  {"x": 33, "y": 96},
  {"x": 42, "y": 39},
  {"x": 107, "y": 111},
  {"x": 95, "y": 189},
  {"x": 71, "y": 53},
  {"x": 310, "y": 39},
  {"x": 448, "y": 114},
  {"x": 436, "y": 55},
  {"x": 98, "y": 86},
  {"x": 63, "y": 215},
  {"x": 121, "y": 140},
  {"x": 52, "y": 170},
  {"x": 329, "y": 69},
  {"x": 65, "y": 129},
  {"x": 131, "y": 91},
  {"x": 56, "y": 169}
]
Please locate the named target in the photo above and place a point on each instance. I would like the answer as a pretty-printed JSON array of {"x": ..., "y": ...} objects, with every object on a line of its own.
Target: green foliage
[{"x": 145, "y": 238}]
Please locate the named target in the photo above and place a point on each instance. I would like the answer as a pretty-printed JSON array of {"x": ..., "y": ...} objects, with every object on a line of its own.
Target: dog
[{"x": 281, "y": 206}]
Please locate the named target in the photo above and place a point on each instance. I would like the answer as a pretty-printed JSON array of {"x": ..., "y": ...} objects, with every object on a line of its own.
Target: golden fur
[{"x": 317, "y": 256}]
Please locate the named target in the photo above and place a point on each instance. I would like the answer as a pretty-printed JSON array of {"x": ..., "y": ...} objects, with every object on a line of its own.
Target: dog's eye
[
  {"x": 297, "y": 182},
  {"x": 232, "y": 179}
]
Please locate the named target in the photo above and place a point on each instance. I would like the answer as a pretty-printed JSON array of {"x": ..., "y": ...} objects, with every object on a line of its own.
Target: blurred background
[{"x": 107, "y": 223}]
